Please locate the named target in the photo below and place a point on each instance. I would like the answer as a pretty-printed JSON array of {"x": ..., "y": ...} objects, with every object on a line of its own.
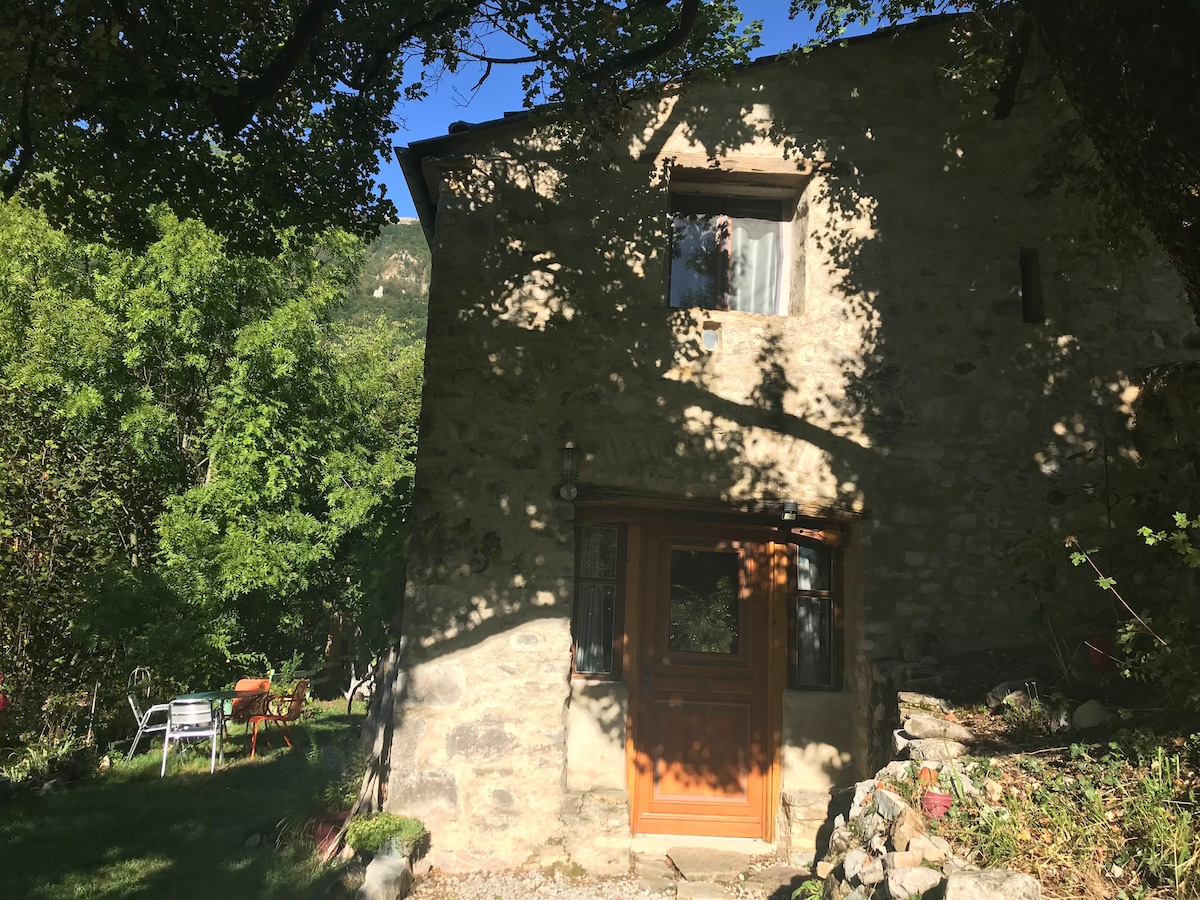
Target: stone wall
[{"x": 904, "y": 393}]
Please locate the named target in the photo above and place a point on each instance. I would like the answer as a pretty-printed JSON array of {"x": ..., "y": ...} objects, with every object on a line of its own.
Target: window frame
[
  {"x": 837, "y": 628},
  {"x": 726, "y": 203},
  {"x": 618, "y": 582}
]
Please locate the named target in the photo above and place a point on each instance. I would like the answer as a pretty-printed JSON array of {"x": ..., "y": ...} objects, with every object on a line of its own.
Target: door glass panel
[
  {"x": 594, "y": 608},
  {"x": 813, "y": 641},
  {"x": 598, "y": 553},
  {"x": 704, "y": 601},
  {"x": 812, "y": 568}
]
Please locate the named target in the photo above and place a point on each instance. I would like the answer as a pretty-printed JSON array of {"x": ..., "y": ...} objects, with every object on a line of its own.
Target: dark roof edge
[{"x": 410, "y": 157}]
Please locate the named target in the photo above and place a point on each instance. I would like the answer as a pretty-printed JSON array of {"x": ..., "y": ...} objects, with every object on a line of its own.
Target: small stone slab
[
  {"x": 992, "y": 885},
  {"x": 902, "y": 884},
  {"x": 933, "y": 727},
  {"x": 775, "y": 882},
  {"x": 702, "y": 864},
  {"x": 935, "y": 749},
  {"x": 654, "y": 874},
  {"x": 700, "y": 890},
  {"x": 923, "y": 701}
]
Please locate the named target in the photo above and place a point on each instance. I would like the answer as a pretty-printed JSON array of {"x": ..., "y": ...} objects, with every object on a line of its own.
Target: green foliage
[
  {"x": 810, "y": 889},
  {"x": 255, "y": 117},
  {"x": 366, "y": 834},
  {"x": 197, "y": 468},
  {"x": 1088, "y": 813},
  {"x": 1159, "y": 639}
]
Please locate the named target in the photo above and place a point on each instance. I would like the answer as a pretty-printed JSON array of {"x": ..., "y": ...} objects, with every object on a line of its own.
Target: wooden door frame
[{"x": 642, "y": 542}]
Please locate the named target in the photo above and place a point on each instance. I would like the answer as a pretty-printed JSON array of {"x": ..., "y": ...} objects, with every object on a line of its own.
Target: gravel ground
[{"x": 521, "y": 885}]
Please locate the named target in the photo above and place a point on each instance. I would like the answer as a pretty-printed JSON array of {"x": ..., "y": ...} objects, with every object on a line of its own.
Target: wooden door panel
[
  {"x": 700, "y": 750},
  {"x": 702, "y": 754}
]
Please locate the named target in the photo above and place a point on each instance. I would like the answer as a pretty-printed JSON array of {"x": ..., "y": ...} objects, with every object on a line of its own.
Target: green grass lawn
[{"x": 128, "y": 833}]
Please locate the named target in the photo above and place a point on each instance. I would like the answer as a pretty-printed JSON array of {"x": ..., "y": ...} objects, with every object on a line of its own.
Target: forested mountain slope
[{"x": 394, "y": 281}]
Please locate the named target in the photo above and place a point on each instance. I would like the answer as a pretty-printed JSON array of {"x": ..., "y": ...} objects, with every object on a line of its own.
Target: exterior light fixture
[
  {"x": 568, "y": 491},
  {"x": 791, "y": 509}
]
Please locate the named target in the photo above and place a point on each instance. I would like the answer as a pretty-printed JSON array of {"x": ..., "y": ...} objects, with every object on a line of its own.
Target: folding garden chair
[
  {"x": 193, "y": 719},
  {"x": 280, "y": 709},
  {"x": 137, "y": 692}
]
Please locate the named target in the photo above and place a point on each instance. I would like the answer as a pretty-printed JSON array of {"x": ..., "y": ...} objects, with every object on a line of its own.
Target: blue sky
[{"x": 452, "y": 99}]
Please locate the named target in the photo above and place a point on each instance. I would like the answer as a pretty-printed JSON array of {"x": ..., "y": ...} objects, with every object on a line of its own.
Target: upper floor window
[{"x": 728, "y": 253}]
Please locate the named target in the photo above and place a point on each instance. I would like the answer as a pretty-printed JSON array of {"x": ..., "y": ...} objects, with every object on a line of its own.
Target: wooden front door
[{"x": 702, "y": 751}]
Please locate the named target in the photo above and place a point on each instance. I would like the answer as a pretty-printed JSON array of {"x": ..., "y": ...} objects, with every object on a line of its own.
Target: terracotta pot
[
  {"x": 328, "y": 828},
  {"x": 936, "y": 804}
]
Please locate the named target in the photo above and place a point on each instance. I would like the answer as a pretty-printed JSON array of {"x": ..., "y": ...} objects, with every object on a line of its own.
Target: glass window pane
[
  {"x": 754, "y": 264},
  {"x": 598, "y": 553},
  {"x": 594, "y": 608},
  {"x": 814, "y": 641},
  {"x": 696, "y": 262},
  {"x": 704, "y": 601},
  {"x": 812, "y": 568}
]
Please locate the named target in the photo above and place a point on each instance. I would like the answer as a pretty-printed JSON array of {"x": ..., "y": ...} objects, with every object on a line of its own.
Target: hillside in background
[{"x": 394, "y": 281}]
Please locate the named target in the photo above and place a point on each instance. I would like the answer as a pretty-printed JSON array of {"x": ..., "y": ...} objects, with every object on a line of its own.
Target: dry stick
[{"x": 1141, "y": 622}]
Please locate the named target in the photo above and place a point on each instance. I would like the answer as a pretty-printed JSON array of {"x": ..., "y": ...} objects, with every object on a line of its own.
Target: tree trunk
[{"x": 1132, "y": 69}]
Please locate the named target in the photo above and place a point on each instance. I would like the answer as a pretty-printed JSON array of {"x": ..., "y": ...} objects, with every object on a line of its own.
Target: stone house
[{"x": 720, "y": 417}]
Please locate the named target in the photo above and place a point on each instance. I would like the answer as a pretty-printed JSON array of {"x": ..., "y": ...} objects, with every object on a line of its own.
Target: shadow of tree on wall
[{"x": 548, "y": 325}]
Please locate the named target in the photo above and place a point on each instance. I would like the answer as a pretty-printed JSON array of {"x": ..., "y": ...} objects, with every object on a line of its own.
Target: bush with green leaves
[
  {"x": 366, "y": 834},
  {"x": 199, "y": 469}
]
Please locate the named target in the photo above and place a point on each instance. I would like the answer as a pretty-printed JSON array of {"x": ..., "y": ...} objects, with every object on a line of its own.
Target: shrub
[{"x": 366, "y": 834}]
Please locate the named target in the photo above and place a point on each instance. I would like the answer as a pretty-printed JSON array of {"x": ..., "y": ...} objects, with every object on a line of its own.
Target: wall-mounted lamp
[
  {"x": 791, "y": 509},
  {"x": 568, "y": 491}
]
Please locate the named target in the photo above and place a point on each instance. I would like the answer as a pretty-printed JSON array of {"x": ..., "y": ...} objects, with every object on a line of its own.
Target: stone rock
[
  {"x": 902, "y": 884},
  {"x": 806, "y": 805},
  {"x": 774, "y": 881},
  {"x": 853, "y": 863},
  {"x": 1092, "y": 714},
  {"x": 871, "y": 873},
  {"x": 888, "y": 804},
  {"x": 857, "y": 894},
  {"x": 1059, "y": 720},
  {"x": 253, "y": 842},
  {"x": 935, "y": 749},
  {"x": 841, "y": 840},
  {"x": 927, "y": 848},
  {"x": 388, "y": 878},
  {"x": 992, "y": 885},
  {"x": 992, "y": 790},
  {"x": 901, "y": 859},
  {"x": 702, "y": 864},
  {"x": 700, "y": 890},
  {"x": 862, "y": 790},
  {"x": 908, "y": 825},
  {"x": 896, "y": 770},
  {"x": 824, "y": 869},
  {"x": 932, "y": 727},
  {"x": 996, "y": 696},
  {"x": 870, "y": 826},
  {"x": 654, "y": 873},
  {"x": 899, "y": 741}
]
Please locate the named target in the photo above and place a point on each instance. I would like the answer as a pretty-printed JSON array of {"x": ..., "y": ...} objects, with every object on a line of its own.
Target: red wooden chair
[
  {"x": 280, "y": 709},
  {"x": 242, "y": 708}
]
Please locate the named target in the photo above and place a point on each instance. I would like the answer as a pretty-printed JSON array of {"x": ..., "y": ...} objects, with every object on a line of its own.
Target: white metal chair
[
  {"x": 193, "y": 719},
  {"x": 137, "y": 691}
]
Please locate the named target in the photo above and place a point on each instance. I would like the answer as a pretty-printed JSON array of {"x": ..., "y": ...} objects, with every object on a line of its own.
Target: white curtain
[{"x": 754, "y": 266}]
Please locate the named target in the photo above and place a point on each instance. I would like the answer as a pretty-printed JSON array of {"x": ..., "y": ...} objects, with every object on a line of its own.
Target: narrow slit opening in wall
[{"x": 1032, "y": 308}]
